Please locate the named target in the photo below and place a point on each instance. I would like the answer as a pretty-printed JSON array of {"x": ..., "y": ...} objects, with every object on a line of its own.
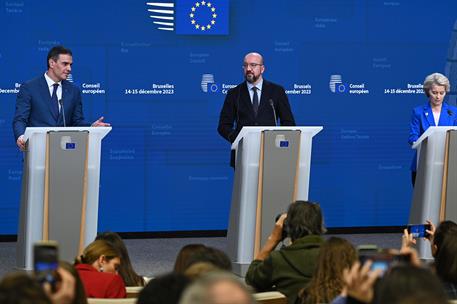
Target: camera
[
  {"x": 384, "y": 260},
  {"x": 46, "y": 262},
  {"x": 285, "y": 232}
]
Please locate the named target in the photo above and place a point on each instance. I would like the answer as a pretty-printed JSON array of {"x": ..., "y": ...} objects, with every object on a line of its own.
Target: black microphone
[
  {"x": 63, "y": 112},
  {"x": 274, "y": 111}
]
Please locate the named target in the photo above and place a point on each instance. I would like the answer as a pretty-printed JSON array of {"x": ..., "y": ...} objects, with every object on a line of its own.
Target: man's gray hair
[{"x": 200, "y": 291}]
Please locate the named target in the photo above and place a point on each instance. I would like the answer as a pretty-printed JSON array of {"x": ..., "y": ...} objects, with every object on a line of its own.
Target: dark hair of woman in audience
[
  {"x": 186, "y": 252},
  {"x": 443, "y": 229},
  {"x": 335, "y": 255},
  {"x": 407, "y": 284},
  {"x": 97, "y": 268},
  {"x": 21, "y": 288},
  {"x": 80, "y": 293},
  {"x": 446, "y": 264},
  {"x": 210, "y": 255},
  {"x": 165, "y": 289},
  {"x": 131, "y": 278}
]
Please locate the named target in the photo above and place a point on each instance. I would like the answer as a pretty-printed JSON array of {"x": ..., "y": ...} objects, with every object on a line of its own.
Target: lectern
[
  {"x": 272, "y": 170},
  {"x": 60, "y": 185},
  {"x": 435, "y": 191}
]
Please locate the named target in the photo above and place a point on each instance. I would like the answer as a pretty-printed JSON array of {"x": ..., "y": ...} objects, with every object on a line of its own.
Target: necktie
[
  {"x": 54, "y": 101},
  {"x": 255, "y": 100}
]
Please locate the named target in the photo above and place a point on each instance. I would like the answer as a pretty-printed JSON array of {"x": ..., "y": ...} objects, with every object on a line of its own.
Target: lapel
[
  {"x": 446, "y": 116},
  {"x": 266, "y": 93},
  {"x": 246, "y": 98},
  {"x": 429, "y": 115},
  {"x": 46, "y": 96}
]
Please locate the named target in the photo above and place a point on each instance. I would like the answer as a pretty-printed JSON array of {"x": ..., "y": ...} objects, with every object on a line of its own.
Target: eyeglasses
[{"x": 251, "y": 65}]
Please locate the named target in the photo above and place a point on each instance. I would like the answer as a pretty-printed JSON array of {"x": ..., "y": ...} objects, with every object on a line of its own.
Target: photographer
[{"x": 290, "y": 268}]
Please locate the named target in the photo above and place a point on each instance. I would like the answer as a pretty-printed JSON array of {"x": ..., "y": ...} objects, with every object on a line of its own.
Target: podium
[
  {"x": 435, "y": 191},
  {"x": 60, "y": 186},
  {"x": 272, "y": 170}
]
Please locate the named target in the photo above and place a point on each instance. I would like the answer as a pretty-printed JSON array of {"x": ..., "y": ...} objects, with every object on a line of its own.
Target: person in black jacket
[{"x": 254, "y": 102}]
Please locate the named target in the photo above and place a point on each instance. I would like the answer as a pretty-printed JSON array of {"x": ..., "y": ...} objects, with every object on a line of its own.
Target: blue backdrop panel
[{"x": 164, "y": 167}]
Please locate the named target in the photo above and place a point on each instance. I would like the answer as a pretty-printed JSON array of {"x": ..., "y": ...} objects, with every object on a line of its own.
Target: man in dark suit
[
  {"x": 254, "y": 102},
  {"x": 40, "y": 100}
]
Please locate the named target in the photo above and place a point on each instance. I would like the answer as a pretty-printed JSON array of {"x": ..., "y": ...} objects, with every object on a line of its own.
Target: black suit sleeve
[
  {"x": 284, "y": 111},
  {"x": 228, "y": 117}
]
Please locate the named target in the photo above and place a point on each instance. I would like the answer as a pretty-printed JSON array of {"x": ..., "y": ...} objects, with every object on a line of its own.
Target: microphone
[
  {"x": 449, "y": 112},
  {"x": 274, "y": 111},
  {"x": 63, "y": 112}
]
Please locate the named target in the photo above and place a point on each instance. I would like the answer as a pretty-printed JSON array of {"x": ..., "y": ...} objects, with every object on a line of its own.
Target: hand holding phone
[
  {"x": 419, "y": 230},
  {"x": 46, "y": 262}
]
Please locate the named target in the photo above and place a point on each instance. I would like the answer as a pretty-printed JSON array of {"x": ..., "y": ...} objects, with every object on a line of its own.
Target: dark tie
[
  {"x": 255, "y": 100},
  {"x": 54, "y": 101}
]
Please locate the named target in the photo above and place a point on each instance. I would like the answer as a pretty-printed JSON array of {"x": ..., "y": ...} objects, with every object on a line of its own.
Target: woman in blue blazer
[{"x": 434, "y": 113}]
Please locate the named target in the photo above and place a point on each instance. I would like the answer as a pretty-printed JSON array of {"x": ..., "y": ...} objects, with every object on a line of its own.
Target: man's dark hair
[
  {"x": 446, "y": 258},
  {"x": 407, "y": 284},
  {"x": 166, "y": 289},
  {"x": 56, "y": 51},
  {"x": 304, "y": 218}
]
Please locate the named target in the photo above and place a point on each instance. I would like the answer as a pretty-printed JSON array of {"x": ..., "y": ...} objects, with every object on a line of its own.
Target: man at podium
[
  {"x": 254, "y": 102},
  {"x": 50, "y": 100},
  {"x": 433, "y": 113}
]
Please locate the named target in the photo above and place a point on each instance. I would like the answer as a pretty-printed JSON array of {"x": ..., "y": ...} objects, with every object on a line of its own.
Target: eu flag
[{"x": 202, "y": 17}]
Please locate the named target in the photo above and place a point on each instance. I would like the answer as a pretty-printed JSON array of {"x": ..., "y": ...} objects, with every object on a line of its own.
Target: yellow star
[
  {"x": 203, "y": 2},
  {"x": 208, "y": 26},
  {"x": 191, "y": 15},
  {"x": 193, "y": 9},
  {"x": 214, "y": 15},
  {"x": 213, "y": 22},
  {"x": 193, "y": 21},
  {"x": 197, "y": 4},
  {"x": 197, "y": 26},
  {"x": 213, "y": 9},
  {"x": 208, "y": 4},
  {"x": 203, "y": 28}
]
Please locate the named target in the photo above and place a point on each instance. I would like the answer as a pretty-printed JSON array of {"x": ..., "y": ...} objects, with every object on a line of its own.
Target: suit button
[{"x": 256, "y": 123}]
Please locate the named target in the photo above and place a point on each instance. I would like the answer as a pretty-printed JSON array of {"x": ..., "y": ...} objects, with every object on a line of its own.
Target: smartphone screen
[
  {"x": 419, "y": 231},
  {"x": 46, "y": 262}
]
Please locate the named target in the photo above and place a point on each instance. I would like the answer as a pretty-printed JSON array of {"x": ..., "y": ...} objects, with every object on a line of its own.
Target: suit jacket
[
  {"x": 34, "y": 107},
  {"x": 422, "y": 119},
  {"x": 286, "y": 270},
  {"x": 100, "y": 284},
  {"x": 237, "y": 110}
]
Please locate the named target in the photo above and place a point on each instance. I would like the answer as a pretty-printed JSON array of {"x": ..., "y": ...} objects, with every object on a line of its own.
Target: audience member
[
  {"x": 186, "y": 252},
  {"x": 126, "y": 271},
  {"x": 446, "y": 264},
  {"x": 80, "y": 294},
  {"x": 21, "y": 288},
  {"x": 290, "y": 268},
  {"x": 335, "y": 255},
  {"x": 166, "y": 289},
  {"x": 97, "y": 268},
  {"x": 199, "y": 269},
  {"x": 217, "y": 288},
  {"x": 210, "y": 255}
]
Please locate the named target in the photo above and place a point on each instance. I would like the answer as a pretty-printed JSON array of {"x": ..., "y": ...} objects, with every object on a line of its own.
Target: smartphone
[
  {"x": 419, "y": 231},
  {"x": 46, "y": 262},
  {"x": 384, "y": 261}
]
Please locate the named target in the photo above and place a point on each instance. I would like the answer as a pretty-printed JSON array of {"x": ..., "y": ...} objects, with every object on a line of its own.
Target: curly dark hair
[{"x": 335, "y": 255}]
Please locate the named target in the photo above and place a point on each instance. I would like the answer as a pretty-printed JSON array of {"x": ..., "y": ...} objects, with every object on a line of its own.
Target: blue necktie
[
  {"x": 255, "y": 100},
  {"x": 55, "y": 102}
]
